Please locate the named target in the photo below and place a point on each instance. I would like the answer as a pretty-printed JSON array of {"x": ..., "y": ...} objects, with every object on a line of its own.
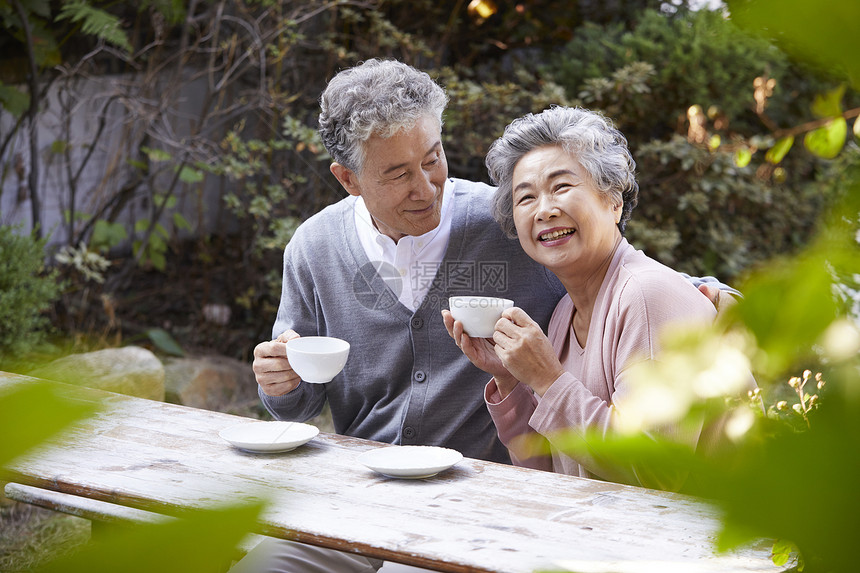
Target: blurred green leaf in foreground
[
  {"x": 34, "y": 411},
  {"x": 788, "y": 465},
  {"x": 201, "y": 541},
  {"x": 822, "y": 33}
]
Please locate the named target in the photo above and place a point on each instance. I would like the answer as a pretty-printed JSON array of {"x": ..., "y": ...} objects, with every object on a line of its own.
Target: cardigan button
[
  {"x": 408, "y": 432},
  {"x": 417, "y": 322},
  {"x": 419, "y": 376}
]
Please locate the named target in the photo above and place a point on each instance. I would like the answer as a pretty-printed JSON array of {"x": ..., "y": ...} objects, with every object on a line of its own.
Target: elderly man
[{"x": 377, "y": 268}]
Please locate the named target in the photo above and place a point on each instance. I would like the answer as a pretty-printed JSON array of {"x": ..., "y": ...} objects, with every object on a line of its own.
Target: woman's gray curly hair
[
  {"x": 377, "y": 97},
  {"x": 590, "y": 137}
]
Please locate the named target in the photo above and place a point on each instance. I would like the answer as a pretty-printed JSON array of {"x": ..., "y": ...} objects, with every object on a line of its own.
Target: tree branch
[
  {"x": 812, "y": 125},
  {"x": 32, "y": 113}
]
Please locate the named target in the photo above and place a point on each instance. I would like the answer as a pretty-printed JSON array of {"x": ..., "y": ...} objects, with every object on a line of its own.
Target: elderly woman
[{"x": 566, "y": 189}]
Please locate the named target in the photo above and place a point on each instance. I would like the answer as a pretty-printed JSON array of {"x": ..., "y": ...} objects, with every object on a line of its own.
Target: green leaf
[
  {"x": 95, "y": 22},
  {"x": 160, "y": 231},
  {"x": 762, "y": 490},
  {"x": 22, "y": 430},
  {"x": 827, "y": 141},
  {"x": 714, "y": 142},
  {"x": 203, "y": 540},
  {"x": 781, "y": 551},
  {"x": 156, "y": 154},
  {"x": 158, "y": 260},
  {"x": 829, "y": 104},
  {"x": 190, "y": 175},
  {"x": 181, "y": 222},
  {"x": 776, "y": 153},
  {"x": 743, "y": 157},
  {"x": 781, "y": 484},
  {"x": 787, "y": 305},
  {"x": 40, "y": 7},
  {"x": 165, "y": 201},
  {"x": 165, "y": 342},
  {"x": 79, "y": 216},
  {"x": 825, "y": 35},
  {"x": 13, "y": 100},
  {"x": 658, "y": 463},
  {"x": 45, "y": 49},
  {"x": 734, "y": 534},
  {"x": 59, "y": 146},
  {"x": 107, "y": 235}
]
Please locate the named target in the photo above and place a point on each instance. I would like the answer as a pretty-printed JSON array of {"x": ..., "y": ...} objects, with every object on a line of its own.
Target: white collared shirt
[{"x": 415, "y": 260}]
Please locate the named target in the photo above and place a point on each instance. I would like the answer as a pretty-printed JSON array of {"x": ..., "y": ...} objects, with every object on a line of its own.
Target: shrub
[
  {"x": 698, "y": 58},
  {"x": 682, "y": 90},
  {"x": 26, "y": 291},
  {"x": 480, "y": 109},
  {"x": 700, "y": 213}
]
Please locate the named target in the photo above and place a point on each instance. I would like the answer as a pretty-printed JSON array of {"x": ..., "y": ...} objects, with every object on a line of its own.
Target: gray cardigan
[{"x": 405, "y": 381}]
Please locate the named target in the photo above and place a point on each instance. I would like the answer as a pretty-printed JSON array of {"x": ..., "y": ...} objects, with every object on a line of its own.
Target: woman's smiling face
[{"x": 562, "y": 220}]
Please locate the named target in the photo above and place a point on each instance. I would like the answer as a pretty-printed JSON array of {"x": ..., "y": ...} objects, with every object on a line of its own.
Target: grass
[{"x": 30, "y": 535}]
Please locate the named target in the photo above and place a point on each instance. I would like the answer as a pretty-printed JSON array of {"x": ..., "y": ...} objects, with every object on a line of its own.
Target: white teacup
[
  {"x": 478, "y": 314},
  {"x": 317, "y": 359}
]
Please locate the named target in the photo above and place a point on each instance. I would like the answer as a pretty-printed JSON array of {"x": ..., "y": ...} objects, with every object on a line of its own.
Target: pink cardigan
[{"x": 637, "y": 298}]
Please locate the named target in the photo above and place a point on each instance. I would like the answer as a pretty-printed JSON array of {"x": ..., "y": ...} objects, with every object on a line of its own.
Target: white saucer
[
  {"x": 269, "y": 437},
  {"x": 411, "y": 462}
]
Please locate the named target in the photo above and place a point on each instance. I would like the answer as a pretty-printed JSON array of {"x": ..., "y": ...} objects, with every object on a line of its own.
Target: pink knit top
[{"x": 638, "y": 298}]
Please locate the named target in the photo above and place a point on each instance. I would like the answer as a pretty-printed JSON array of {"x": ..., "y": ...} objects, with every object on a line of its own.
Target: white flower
[
  {"x": 89, "y": 264},
  {"x": 650, "y": 406},
  {"x": 726, "y": 374},
  {"x": 841, "y": 340},
  {"x": 739, "y": 423}
]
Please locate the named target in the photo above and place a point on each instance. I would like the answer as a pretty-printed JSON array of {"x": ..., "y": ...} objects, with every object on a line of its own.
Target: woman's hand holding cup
[{"x": 479, "y": 350}]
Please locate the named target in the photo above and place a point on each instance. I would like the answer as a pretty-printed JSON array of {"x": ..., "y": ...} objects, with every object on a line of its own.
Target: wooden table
[{"x": 477, "y": 516}]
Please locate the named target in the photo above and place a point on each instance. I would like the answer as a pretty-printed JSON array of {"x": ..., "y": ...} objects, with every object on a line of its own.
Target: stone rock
[
  {"x": 129, "y": 370},
  {"x": 215, "y": 383}
]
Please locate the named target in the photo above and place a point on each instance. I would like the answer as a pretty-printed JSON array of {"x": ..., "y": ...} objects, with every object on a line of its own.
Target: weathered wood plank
[
  {"x": 100, "y": 512},
  {"x": 86, "y": 508},
  {"x": 477, "y": 516}
]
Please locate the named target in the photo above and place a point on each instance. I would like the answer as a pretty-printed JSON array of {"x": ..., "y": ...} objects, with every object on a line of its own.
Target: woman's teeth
[{"x": 555, "y": 234}]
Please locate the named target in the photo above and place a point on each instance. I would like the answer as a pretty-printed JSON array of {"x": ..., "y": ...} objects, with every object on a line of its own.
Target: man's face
[{"x": 402, "y": 179}]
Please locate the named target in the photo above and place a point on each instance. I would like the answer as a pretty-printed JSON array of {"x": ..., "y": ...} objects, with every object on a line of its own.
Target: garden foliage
[
  {"x": 203, "y": 540},
  {"x": 741, "y": 147},
  {"x": 682, "y": 89},
  {"x": 27, "y": 290},
  {"x": 246, "y": 166},
  {"x": 788, "y": 465}
]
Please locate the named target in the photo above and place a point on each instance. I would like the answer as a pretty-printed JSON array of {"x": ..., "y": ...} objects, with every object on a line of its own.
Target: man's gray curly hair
[
  {"x": 377, "y": 97},
  {"x": 590, "y": 137}
]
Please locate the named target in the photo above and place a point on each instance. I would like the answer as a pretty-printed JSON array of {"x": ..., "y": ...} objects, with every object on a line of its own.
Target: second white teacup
[
  {"x": 317, "y": 359},
  {"x": 478, "y": 314}
]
